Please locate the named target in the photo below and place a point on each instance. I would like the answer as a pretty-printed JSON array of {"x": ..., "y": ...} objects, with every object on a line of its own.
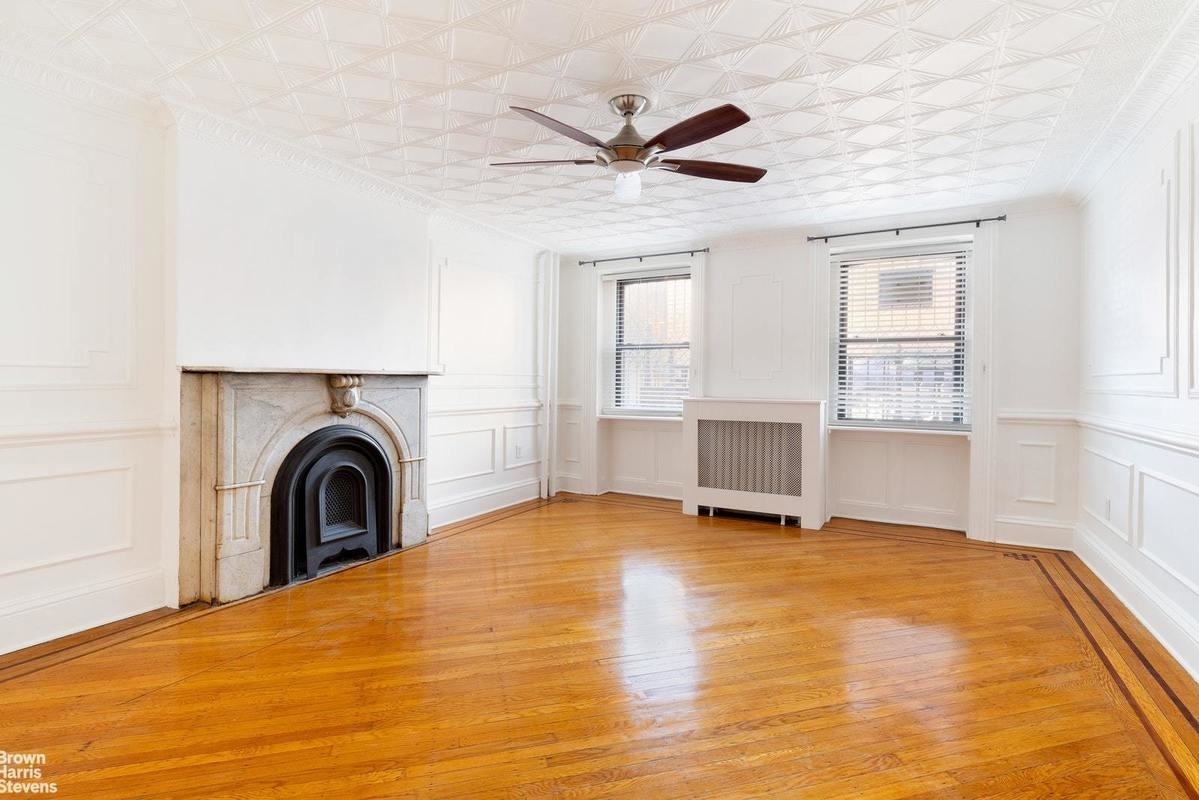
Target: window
[
  {"x": 900, "y": 340},
  {"x": 651, "y": 371}
]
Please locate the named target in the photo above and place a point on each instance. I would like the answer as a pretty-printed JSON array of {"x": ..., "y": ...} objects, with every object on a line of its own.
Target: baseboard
[
  {"x": 665, "y": 491},
  {"x": 1170, "y": 624},
  {"x": 1033, "y": 532},
  {"x": 897, "y": 516},
  {"x": 569, "y": 483},
  {"x": 51, "y": 616},
  {"x": 473, "y": 504}
]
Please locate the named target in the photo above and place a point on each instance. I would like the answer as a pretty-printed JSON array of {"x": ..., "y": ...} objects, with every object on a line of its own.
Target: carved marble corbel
[{"x": 344, "y": 391}]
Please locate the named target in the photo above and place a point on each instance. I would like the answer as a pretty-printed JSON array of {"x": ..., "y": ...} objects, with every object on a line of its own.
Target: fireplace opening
[{"x": 330, "y": 504}]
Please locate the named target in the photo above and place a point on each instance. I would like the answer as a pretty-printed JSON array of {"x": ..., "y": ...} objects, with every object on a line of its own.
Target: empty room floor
[{"x": 611, "y": 647}]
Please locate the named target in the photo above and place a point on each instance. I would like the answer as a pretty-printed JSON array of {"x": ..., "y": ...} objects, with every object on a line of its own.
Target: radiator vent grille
[{"x": 751, "y": 456}]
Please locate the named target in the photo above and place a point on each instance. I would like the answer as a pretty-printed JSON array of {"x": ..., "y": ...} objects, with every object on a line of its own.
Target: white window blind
[
  {"x": 652, "y": 349},
  {"x": 901, "y": 348}
]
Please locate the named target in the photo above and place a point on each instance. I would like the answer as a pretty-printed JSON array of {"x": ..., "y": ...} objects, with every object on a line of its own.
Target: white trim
[
  {"x": 1036, "y": 418},
  {"x": 1168, "y": 622},
  {"x": 473, "y": 504},
  {"x": 38, "y": 619},
  {"x": 980, "y": 291},
  {"x": 1176, "y": 440},
  {"x": 508, "y": 408},
  {"x": 965, "y": 432},
  {"x": 1033, "y": 532},
  {"x": 90, "y": 433}
]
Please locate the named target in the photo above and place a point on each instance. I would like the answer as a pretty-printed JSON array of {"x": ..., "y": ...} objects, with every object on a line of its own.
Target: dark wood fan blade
[
  {"x": 560, "y": 127},
  {"x": 717, "y": 170},
  {"x": 590, "y": 161},
  {"x": 700, "y": 128}
]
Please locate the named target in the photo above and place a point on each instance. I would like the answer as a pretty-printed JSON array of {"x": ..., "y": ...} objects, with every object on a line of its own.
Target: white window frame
[
  {"x": 884, "y": 250},
  {"x": 604, "y": 283}
]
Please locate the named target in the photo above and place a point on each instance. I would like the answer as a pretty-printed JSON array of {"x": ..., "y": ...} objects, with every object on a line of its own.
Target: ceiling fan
[{"x": 628, "y": 153}]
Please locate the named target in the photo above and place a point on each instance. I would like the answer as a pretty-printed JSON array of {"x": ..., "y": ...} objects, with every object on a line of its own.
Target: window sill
[
  {"x": 919, "y": 431},
  {"x": 639, "y": 417}
]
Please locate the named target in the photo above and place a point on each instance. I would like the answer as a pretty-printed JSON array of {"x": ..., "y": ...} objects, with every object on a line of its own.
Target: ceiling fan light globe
[{"x": 627, "y": 187}]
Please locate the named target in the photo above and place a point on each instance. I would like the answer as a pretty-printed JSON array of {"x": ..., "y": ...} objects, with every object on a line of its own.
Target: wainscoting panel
[
  {"x": 86, "y": 424},
  {"x": 486, "y": 419},
  {"x": 641, "y": 457},
  {"x": 1167, "y": 513},
  {"x": 461, "y": 455},
  {"x": 1107, "y": 490},
  {"x": 1155, "y": 568},
  {"x": 907, "y": 478},
  {"x": 1036, "y": 482},
  {"x": 568, "y": 466}
]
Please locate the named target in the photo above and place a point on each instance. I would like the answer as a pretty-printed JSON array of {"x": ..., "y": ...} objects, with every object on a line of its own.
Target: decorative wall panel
[{"x": 1107, "y": 484}]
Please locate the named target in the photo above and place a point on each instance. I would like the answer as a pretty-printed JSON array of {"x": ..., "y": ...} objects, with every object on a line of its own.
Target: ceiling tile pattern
[{"x": 859, "y": 107}]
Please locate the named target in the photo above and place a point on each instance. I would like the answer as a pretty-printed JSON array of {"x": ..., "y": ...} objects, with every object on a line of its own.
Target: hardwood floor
[{"x": 611, "y": 647}]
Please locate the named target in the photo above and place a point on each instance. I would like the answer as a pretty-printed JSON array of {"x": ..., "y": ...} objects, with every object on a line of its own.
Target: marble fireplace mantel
[{"x": 238, "y": 426}]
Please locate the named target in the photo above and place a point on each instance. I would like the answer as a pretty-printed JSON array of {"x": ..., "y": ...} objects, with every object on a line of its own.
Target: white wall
[
  {"x": 766, "y": 317},
  {"x": 86, "y": 418},
  {"x": 1139, "y": 432},
  {"x": 486, "y": 412},
  {"x": 134, "y": 245},
  {"x": 278, "y": 268}
]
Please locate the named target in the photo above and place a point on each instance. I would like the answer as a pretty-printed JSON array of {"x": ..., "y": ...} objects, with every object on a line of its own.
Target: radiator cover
[{"x": 765, "y": 456}]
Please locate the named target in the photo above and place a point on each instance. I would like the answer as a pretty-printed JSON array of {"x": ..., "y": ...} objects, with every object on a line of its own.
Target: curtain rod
[
  {"x": 977, "y": 223},
  {"x": 593, "y": 262}
]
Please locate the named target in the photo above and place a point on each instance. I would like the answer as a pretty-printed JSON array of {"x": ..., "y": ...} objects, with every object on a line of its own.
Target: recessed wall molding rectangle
[
  {"x": 1107, "y": 497},
  {"x": 512, "y": 436},
  {"x": 1126, "y": 314},
  {"x": 98, "y": 520},
  {"x": 1036, "y": 472},
  {"x": 464, "y": 454},
  {"x": 66, "y": 314},
  {"x": 1165, "y": 533},
  {"x": 756, "y": 327}
]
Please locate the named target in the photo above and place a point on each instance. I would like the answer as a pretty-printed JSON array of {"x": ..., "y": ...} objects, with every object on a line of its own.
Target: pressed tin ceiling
[{"x": 859, "y": 107}]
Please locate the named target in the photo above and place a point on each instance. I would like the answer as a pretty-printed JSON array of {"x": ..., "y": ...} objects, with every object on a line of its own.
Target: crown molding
[
  {"x": 52, "y": 80},
  {"x": 218, "y": 129},
  {"x": 204, "y": 125},
  {"x": 55, "y": 80},
  {"x": 1168, "y": 71}
]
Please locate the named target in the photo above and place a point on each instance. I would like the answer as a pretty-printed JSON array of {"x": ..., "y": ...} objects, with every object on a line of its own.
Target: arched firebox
[{"x": 331, "y": 502}]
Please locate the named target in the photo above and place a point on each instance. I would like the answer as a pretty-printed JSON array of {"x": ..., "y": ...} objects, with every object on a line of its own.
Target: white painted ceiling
[{"x": 859, "y": 107}]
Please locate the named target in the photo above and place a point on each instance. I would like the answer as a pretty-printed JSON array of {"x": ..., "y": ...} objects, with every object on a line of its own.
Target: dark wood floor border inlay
[
  {"x": 1182, "y": 707},
  {"x": 1179, "y": 773}
]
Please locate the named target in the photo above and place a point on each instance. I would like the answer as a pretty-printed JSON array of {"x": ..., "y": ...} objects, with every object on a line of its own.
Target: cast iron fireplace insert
[{"x": 331, "y": 502}]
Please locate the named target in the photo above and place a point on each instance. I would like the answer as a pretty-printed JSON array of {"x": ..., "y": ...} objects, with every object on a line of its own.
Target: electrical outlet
[
  {"x": 520, "y": 452},
  {"x": 1107, "y": 509}
]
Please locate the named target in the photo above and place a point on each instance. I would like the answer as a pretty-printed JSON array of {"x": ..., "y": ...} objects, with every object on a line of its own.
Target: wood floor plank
[{"x": 613, "y": 647}]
